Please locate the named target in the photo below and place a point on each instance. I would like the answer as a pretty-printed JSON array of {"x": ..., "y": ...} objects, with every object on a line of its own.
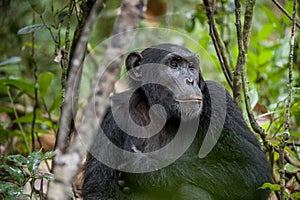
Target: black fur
[{"x": 234, "y": 169}]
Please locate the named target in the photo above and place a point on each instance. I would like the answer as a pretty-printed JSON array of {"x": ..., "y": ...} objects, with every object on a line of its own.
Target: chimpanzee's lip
[{"x": 190, "y": 98}]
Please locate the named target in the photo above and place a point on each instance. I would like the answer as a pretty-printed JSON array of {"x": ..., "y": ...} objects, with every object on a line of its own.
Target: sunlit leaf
[
  {"x": 265, "y": 31},
  {"x": 48, "y": 155},
  {"x": 295, "y": 111},
  {"x": 272, "y": 187},
  {"x": 273, "y": 18},
  {"x": 264, "y": 58},
  {"x": 295, "y": 134},
  {"x": 291, "y": 168},
  {"x": 295, "y": 195},
  {"x": 253, "y": 97},
  {"x": 33, "y": 161}
]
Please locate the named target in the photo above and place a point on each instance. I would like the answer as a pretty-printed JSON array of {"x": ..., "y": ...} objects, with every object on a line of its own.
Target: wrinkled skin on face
[{"x": 173, "y": 79}]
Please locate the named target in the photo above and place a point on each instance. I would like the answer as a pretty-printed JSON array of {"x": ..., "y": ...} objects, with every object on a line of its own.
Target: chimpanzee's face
[{"x": 170, "y": 77}]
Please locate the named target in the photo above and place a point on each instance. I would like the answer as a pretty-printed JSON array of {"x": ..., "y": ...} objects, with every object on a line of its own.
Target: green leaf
[
  {"x": 29, "y": 117},
  {"x": 44, "y": 82},
  {"x": 41, "y": 130},
  {"x": 5, "y": 109},
  {"x": 15, "y": 172},
  {"x": 295, "y": 111},
  {"x": 11, "y": 61},
  {"x": 56, "y": 103},
  {"x": 190, "y": 25},
  {"x": 286, "y": 195},
  {"x": 265, "y": 32},
  {"x": 44, "y": 175},
  {"x": 295, "y": 134},
  {"x": 63, "y": 15},
  {"x": 24, "y": 119},
  {"x": 23, "y": 85},
  {"x": 4, "y": 124},
  {"x": 48, "y": 155},
  {"x": 18, "y": 159},
  {"x": 273, "y": 18},
  {"x": 264, "y": 59},
  {"x": 272, "y": 187},
  {"x": 31, "y": 28},
  {"x": 3, "y": 88},
  {"x": 295, "y": 195},
  {"x": 276, "y": 156},
  {"x": 291, "y": 168},
  {"x": 33, "y": 161},
  {"x": 10, "y": 190},
  {"x": 6, "y": 134},
  {"x": 253, "y": 97}
]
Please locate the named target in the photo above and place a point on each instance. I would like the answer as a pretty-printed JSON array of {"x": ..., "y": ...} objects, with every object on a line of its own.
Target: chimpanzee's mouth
[{"x": 187, "y": 99}]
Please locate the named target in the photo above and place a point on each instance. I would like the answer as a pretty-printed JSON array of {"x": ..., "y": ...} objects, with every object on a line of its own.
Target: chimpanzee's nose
[{"x": 190, "y": 81}]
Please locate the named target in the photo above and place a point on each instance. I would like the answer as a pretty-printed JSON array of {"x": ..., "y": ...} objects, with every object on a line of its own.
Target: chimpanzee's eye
[
  {"x": 191, "y": 66},
  {"x": 174, "y": 64}
]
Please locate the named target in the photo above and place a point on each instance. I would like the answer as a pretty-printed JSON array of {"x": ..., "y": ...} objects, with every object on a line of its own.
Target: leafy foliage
[
  {"x": 267, "y": 71},
  {"x": 17, "y": 171},
  {"x": 34, "y": 57}
]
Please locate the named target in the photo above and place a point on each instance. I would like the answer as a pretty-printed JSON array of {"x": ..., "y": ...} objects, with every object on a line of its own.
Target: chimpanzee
[{"x": 232, "y": 165}]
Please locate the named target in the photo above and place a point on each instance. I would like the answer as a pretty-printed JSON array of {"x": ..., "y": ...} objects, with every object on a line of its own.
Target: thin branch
[
  {"x": 36, "y": 102},
  {"x": 67, "y": 36},
  {"x": 60, "y": 188},
  {"x": 49, "y": 29},
  {"x": 286, "y": 132},
  {"x": 65, "y": 51},
  {"x": 286, "y": 157},
  {"x": 17, "y": 117},
  {"x": 240, "y": 71},
  {"x": 68, "y": 160},
  {"x": 241, "y": 60},
  {"x": 256, "y": 127},
  {"x": 58, "y": 40},
  {"x": 246, "y": 38},
  {"x": 285, "y": 12},
  {"x": 69, "y": 105},
  {"x": 76, "y": 12},
  {"x": 219, "y": 45},
  {"x": 248, "y": 23},
  {"x": 293, "y": 144},
  {"x": 103, "y": 82},
  {"x": 49, "y": 115}
]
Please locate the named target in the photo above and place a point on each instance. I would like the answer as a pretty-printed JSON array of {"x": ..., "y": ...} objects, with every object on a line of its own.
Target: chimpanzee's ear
[
  {"x": 201, "y": 83},
  {"x": 132, "y": 65}
]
